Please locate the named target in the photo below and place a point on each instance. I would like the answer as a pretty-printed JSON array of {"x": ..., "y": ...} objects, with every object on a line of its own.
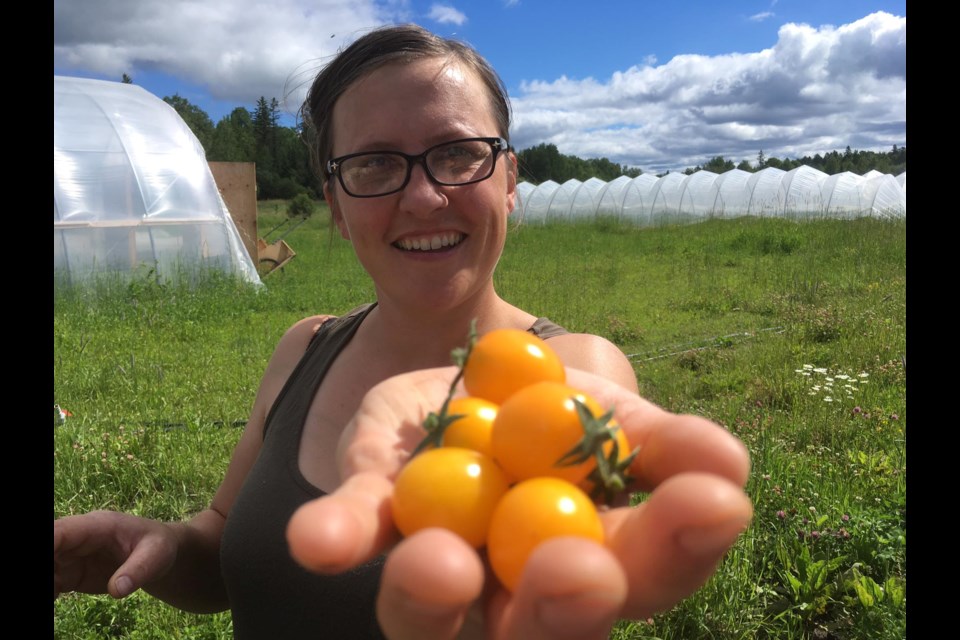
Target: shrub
[{"x": 301, "y": 206}]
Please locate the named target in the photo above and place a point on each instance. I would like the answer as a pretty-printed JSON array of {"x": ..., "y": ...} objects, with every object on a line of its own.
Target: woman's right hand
[
  {"x": 656, "y": 554},
  {"x": 109, "y": 552}
]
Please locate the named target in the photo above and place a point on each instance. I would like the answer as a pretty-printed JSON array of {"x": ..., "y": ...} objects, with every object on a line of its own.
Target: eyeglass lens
[{"x": 453, "y": 163}]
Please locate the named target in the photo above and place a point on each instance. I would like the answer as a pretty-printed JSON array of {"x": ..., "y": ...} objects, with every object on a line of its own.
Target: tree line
[
  {"x": 544, "y": 162},
  {"x": 860, "y": 162},
  {"x": 283, "y": 158}
]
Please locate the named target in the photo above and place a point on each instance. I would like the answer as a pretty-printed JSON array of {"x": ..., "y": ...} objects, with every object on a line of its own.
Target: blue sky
[{"x": 656, "y": 85}]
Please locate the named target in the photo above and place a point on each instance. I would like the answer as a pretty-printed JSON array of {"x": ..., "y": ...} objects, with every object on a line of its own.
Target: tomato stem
[{"x": 435, "y": 424}]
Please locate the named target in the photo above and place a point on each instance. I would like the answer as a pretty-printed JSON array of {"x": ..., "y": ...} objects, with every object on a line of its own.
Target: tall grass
[{"x": 791, "y": 334}]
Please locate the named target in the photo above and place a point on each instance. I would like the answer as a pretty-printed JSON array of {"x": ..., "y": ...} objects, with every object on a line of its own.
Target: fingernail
[
  {"x": 711, "y": 541},
  {"x": 124, "y": 586},
  {"x": 575, "y": 617}
]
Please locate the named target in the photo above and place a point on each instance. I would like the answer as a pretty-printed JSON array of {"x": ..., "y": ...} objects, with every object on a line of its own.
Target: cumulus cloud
[
  {"x": 236, "y": 49},
  {"x": 445, "y": 14},
  {"x": 816, "y": 90}
]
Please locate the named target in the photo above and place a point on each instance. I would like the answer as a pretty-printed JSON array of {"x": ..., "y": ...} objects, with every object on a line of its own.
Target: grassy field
[{"x": 790, "y": 334}]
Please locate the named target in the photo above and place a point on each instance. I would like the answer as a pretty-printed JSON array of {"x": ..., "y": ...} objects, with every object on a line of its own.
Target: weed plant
[{"x": 791, "y": 334}]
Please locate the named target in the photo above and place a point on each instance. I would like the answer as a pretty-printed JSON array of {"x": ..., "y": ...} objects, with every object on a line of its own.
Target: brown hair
[{"x": 403, "y": 43}]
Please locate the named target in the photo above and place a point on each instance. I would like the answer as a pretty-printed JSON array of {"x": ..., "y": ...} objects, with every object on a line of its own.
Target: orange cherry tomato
[
  {"x": 472, "y": 431},
  {"x": 534, "y": 511},
  {"x": 448, "y": 487},
  {"x": 504, "y": 361},
  {"x": 538, "y": 425}
]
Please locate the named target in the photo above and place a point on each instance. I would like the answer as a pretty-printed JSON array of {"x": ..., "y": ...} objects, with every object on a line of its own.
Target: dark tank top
[{"x": 271, "y": 596}]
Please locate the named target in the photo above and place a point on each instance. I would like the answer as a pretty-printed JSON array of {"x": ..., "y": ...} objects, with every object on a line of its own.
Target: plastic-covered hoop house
[
  {"x": 132, "y": 189},
  {"x": 646, "y": 200}
]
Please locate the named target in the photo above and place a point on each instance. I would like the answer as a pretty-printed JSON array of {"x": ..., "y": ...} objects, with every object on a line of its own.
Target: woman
[{"x": 411, "y": 132}]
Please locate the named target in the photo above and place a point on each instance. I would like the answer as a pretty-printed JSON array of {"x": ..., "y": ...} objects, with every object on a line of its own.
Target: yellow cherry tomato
[
  {"x": 449, "y": 487},
  {"x": 531, "y": 512},
  {"x": 472, "y": 431},
  {"x": 538, "y": 425},
  {"x": 504, "y": 361}
]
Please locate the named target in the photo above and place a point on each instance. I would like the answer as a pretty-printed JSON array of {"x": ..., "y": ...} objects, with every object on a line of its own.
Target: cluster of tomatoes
[{"x": 514, "y": 462}]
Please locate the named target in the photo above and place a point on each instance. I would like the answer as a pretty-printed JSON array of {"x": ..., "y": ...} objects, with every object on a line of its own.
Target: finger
[
  {"x": 153, "y": 556},
  {"x": 672, "y": 543},
  {"x": 669, "y": 443},
  {"x": 571, "y": 588},
  {"x": 430, "y": 581},
  {"x": 346, "y": 528},
  {"x": 104, "y": 551}
]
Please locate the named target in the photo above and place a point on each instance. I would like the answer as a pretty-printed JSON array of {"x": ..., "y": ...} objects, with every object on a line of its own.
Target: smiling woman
[{"x": 411, "y": 135}]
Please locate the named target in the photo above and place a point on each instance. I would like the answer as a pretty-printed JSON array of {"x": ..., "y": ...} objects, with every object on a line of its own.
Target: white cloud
[
  {"x": 235, "y": 48},
  {"x": 760, "y": 17},
  {"x": 816, "y": 90},
  {"x": 445, "y": 14}
]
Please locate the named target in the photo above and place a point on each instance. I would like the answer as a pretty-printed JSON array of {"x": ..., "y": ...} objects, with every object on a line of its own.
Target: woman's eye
[{"x": 373, "y": 162}]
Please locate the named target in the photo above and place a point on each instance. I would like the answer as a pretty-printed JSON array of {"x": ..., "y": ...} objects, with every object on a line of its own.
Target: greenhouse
[
  {"x": 646, "y": 200},
  {"x": 132, "y": 190}
]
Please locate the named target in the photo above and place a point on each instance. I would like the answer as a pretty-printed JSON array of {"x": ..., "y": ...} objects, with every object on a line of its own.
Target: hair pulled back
[{"x": 398, "y": 43}]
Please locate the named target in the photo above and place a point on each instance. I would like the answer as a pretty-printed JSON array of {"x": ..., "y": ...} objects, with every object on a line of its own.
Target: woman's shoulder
[
  {"x": 303, "y": 330},
  {"x": 595, "y": 354},
  {"x": 298, "y": 336},
  {"x": 293, "y": 343}
]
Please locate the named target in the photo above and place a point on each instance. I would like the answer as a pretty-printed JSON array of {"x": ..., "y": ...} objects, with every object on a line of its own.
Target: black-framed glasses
[{"x": 451, "y": 164}]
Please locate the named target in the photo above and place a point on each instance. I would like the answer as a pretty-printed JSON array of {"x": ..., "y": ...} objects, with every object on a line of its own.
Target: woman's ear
[
  {"x": 335, "y": 213},
  {"x": 511, "y": 181}
]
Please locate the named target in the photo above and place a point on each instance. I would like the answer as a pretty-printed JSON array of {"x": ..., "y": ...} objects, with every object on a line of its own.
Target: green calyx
[{"x": 610, "y": 477}]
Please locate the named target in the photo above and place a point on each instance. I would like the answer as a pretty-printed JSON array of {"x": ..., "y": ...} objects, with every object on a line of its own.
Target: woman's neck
[{"x": 422, "y": 338}]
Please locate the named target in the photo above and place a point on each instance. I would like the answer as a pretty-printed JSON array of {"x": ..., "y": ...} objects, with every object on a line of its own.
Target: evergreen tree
[
  {"x": 266, "y": 116},
  {"x": 719, "y": 165},
  {"x": 233, "y": 138}
]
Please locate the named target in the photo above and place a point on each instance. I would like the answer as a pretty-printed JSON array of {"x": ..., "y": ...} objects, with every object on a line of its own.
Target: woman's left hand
[{"x": 435, "y": 585}]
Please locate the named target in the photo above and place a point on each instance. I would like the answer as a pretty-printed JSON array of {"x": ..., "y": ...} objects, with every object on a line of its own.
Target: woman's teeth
[{"x": 430, "y": 243}]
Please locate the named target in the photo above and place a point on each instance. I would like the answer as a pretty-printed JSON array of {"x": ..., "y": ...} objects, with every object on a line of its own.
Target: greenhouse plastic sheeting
[
  {"x": 646, "y": 200},
  {"x": 132, "y": 189}
]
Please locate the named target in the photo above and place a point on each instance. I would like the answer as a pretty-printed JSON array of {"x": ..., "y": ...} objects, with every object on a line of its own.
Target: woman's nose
[{"x": 422, "y": 195}]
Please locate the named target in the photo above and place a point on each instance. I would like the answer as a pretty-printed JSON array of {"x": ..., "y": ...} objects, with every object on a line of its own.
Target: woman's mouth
[{"x": 430, "y": 242}]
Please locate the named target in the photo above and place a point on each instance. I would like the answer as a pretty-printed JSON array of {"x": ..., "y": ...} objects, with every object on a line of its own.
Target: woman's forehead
[{"x": 425, "y": 97}]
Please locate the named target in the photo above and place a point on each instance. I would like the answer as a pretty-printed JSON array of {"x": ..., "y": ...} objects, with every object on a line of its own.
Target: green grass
[{"x": 739, "y": 320}]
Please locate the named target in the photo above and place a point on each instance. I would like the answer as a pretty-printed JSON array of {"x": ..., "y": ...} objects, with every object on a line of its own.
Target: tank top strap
[
  {"x": 544, "y": 329},
  {"x": 297, "y": 393}
]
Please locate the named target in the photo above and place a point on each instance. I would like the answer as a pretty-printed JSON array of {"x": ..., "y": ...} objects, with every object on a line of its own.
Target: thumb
[{"x": 150, "y": 558}]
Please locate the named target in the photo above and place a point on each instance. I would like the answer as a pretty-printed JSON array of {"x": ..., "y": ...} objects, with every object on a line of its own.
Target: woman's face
[{"x": 430, "y": 245}]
